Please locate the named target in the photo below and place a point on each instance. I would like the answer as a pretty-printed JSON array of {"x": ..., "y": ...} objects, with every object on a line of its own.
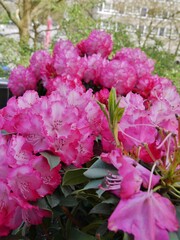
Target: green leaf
[
  {"x": 112, "y": 200},
  {"x": 112, "y": 104},
  {"x": 103, "y": 108},
  {"x": 94, "y": 184},
  {"x": 93, "y": 225},
  {"x": 74, "y": 176},
  {"x": 4, "y": 132},
  {"x": 99, "y": 169},
  {"x": 53, "y": 200},
  {"x": 69, "y": 201},
  {"x": 101, "y": 208},
  {"x": 52, "y": 159},
  {"x": 173, "y": 236},
  {"x": 42, "y": 203},
  {"x": 119, "y": 112},
  {"x": 77, "y": 234},
  {"x": 67, "y": 190},
  {"x": 100, "y": 192}
]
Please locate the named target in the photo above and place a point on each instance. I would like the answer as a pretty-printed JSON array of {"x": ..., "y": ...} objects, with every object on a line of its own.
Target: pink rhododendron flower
[
  {"x": 141, "y": 131},
  {"x": 118, "y": 74},
  {"x": 145, "y": 215},
  {"x": 102, "y": 96},
  {"x": 39, "y": 61},
  {"x": 67, "y": 61},
  {"x": 24, "y": 182},
  {"x": 95, "y": 65},
  {"x": 144, "y": 86},
  {"x": 28, "y": 213},
  {"x": 137, "y": 59},
  {"x": 19, "y": 152},
  {"x": 144, "y": 155},
  {"x": 164, "y": 116},
  {"x": 97, "y": 42},
  {"x": 50, "y": 177},
  {"x": 132, "y": 174},
  {"x": 21, "y": 79}
]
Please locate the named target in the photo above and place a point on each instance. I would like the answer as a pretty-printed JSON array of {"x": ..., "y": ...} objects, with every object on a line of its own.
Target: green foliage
[
  {"x": 12, "y": 53},
  {"x": 52, "y": 159},
  {"x": 79, "y": 20},
  {"x": 165, "y": 65},
  {"x": 114, "y": 113}
]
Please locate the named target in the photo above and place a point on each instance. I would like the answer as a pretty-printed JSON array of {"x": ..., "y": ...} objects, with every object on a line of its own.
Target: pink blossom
[
  {"x": 50, "y": 177},
  {"x": 137, "y": 59},
  {"x": 8, "y": 114},
  {"x": 136, "y": 131},
  {"x": 95, "y": 65},
  {"x": 132, "y": 174},
  {"x": 145, "y": 156},
  {"x": 131, "y": 178},
  {"x": 39, "y": 61},
  {"x": 21, "y": 79},
  {"x": 145, "y": 214},
  {"x": 118, "y": 74},
  {"x": 102, "y": 96},
  {"x": 19, "y": 152},
  {"x": 67, "y": 61},
  {"x": 24, "y": 182},
  {"x": 7, "y": 207},
  {"x": 97, "y": 42},
  {"x": 144, "y": 86},
  {"x": 28, "y": 213}
]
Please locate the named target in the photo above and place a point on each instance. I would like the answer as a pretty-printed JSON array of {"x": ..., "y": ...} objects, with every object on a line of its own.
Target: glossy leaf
[
  {"x": 101, "y": 208},
  {"x": 52, "y": 159},
  {"x": 99, "y": 169},
  {"x": 94, "y": 184},
  {"x": 74, "y": 176}
]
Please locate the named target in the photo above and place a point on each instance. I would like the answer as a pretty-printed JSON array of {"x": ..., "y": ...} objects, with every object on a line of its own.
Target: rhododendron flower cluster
[{"x": 82, "y": 104}]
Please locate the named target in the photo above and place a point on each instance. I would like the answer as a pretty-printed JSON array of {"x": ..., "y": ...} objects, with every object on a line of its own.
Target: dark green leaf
[
  {"x": 42, "y": 203},
  {"x": 93, "y": 225},
  {"x": 52, "y": 159},
  {"x": 53, "y": 200},
  {"x": 69, "y": 201},
  {"x": 67, "y": 190},
  {"x": 102, "y": 208},
  {"x": 77, "y": 234},
  {"x": 74, "y": 176}
]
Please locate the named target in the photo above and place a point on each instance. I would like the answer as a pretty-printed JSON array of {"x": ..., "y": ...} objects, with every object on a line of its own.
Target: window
[
  {"x": 168, "y": 32},
  {"x": 141, "y": 29},
  {"x": 154, "y": 31},
  {"x": 143, "y": 12},
  {"x": 107, "y": 6},
  {"x": 161, "y": 31}
]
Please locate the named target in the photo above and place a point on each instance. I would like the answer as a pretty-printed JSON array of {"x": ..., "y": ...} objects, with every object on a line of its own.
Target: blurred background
[{"x": 152, "y": 25}]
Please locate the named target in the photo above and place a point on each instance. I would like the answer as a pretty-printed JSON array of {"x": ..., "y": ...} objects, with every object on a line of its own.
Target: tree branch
[
  {"x": 39, "y": 8},
  {"x": 9, "y": 12}
]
